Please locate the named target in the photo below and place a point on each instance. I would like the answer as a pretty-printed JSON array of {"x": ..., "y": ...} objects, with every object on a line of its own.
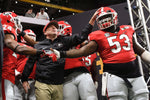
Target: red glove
[
  {"x": 53, "y": 57},
  {"x": 50, "y": 55}
]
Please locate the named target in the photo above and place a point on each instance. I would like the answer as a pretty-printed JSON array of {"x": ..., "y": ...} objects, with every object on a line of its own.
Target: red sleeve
[
  {"x": 96, "y": 36},
  {"x": 127, "y": 27},
  {"x": 9, "y": 29}
]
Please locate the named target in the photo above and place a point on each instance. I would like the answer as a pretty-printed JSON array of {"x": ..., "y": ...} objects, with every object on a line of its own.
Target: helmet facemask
[
  {"x": 107, "y": 18},
  {"x": 18, "y": 24},
  {"x": 63, "y": 30}
]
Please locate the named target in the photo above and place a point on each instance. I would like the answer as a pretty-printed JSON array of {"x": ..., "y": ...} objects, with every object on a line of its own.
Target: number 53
[{"x": 118, "y": 46}]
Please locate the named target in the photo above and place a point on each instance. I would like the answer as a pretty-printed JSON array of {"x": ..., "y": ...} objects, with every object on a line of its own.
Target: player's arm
[
  {"x": 93, "y": 18},
  {"x": 138, "y": 49},
  {"x": 86, "y": 50},
  {"x": 88, "y": 28},
  {"x": 28, "y": 68},
  {"x": 27, "y": 71},
  {"x": 13, "y": 45}
]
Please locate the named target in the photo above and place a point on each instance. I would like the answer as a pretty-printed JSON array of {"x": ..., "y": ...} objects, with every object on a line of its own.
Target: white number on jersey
[
  {"x": 118, "y": 46},
  {"x": 14, "y": 54},
  {"x": 5, "y": 27},
  {"x": 87, "y": 60}
]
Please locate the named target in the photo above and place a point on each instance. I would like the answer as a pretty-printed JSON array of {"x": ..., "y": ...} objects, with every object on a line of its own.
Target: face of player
[
  {"x": 111, "y": 29},
  {"x": 51, "y": 31}
]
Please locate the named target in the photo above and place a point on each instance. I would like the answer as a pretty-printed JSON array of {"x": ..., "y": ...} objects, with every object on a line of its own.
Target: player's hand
[
  {"x": 96, "y": 13},
  {"x": 26, "y": 86},
  {"x": 49, "y": 54},
  {"x": 56, "y": 52},
  {"x": 93, "y": 18}
]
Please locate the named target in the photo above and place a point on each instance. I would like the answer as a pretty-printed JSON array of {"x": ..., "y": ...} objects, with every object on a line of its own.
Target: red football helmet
[
  {"x": 10, "y": 18},
  {"x": 106, "y": 18},
  {"x": 64, "y": 29},
  {"x": 30, "y": 33}
]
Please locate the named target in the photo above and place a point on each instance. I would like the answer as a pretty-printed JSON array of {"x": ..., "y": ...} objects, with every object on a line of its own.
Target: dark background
[{"x": 21, "y": 7}]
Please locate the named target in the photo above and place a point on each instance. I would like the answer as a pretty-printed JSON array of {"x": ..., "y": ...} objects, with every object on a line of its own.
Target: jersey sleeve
[
  {"x": 131, "y": 29},
  {"x": 9, "y": 30},
  {"x": 95, "y": 36}
]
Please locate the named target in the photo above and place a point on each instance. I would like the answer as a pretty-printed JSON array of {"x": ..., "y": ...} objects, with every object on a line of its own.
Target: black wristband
[
  {"x": 63, "y": 54},
  {"x": 16, "y": 47},
  {"x": 22, "y": 34},
  {"x": 90, "y": 27},
  {"x": 39, "y": 52}
]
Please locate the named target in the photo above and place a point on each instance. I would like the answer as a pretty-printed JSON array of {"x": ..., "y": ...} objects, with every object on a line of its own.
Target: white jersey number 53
[{"x": 118, "y": 46}]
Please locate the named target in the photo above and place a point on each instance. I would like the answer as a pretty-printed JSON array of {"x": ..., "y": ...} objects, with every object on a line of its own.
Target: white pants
[
  {"x": 79, "y": 85},
  {"x": 118, "y": 90},
  {"x": 11, "y": 91},
  {"x": 20, "y": 93},
  {"x": 7, "y": 90}
]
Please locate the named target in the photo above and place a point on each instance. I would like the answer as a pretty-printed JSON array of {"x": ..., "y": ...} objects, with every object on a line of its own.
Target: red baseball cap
[{"x": 53, "y": 22}]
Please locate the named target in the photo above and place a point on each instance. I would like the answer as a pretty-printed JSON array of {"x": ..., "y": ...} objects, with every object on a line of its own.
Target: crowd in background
[{"x": 40, "y": 15}]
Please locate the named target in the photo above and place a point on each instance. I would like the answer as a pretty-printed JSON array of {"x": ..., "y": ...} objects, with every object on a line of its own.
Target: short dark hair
[
  {"x": 30, "y": 9},
  {"x": 42, "y": 9}
]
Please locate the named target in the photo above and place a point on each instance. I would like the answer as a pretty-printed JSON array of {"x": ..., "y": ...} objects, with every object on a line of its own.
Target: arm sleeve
[
  {"x": 86, "y": 31},
  {"x": 28, "y": 68},
  {"x": 138, "y": 49},
  {"x": 76, "y": 39}
]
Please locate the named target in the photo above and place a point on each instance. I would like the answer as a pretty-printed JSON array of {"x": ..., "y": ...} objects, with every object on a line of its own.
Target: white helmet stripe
[{"x": 102, "y": 9}]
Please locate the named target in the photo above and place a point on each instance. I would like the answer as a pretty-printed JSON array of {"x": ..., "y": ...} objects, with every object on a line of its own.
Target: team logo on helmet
[{"x": 64, "y": 29}]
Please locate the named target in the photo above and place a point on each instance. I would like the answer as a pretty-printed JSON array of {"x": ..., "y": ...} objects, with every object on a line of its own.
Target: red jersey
[
  {"x": 73, "y": 63},
  {"x": 115, "y": 47},
  {"x": 10, "y": 58},
  {"x": 21, "y": 61},
  {"x": 89, "y": 61}
]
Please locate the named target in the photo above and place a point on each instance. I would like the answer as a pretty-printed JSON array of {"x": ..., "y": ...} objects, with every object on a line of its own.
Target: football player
[
  {"x": 117, "y": 48},
  {"x": 11, "y": 24},
  {"x": 78, "y": 83}
]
